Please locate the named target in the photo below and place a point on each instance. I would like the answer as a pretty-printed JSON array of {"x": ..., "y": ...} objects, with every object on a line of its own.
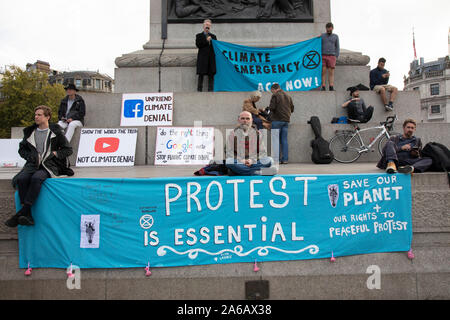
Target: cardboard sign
[
  {"x": 147, "y": 109},
  {"x": 107, "y": 147},
  {"x": 9, "y": 157},
  {"x": 184, "y": 145}
]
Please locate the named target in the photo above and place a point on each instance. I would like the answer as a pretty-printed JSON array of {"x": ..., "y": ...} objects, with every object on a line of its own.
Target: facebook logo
[{"x": 133, "y": 109}]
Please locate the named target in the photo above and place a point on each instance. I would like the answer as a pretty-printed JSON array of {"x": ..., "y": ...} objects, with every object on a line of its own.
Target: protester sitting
[
  {"x": 356, "y": 107},
  {"x": 71, "y": 111},
  {"x": 45, "y": 148},
  {"x": 259, "y": 116},
  {"x": 379, "y": 78},
  {"x": 403, "y": 151},
  {"x": 245, "y": 150}
]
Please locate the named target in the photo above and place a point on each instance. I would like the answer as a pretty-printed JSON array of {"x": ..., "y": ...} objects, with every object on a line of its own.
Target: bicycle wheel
[
  {"x": 383, "y": 141},
  {"x": 345, "y": 147}
]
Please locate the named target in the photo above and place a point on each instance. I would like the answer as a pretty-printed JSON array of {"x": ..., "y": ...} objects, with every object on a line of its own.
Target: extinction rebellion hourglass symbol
[{"x": 146, "y": 223}]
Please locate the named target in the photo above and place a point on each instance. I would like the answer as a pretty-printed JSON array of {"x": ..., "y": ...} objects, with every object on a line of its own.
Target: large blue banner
[
  {"x": 297, "y": 67},
  {"x": 117, "y": 223}
]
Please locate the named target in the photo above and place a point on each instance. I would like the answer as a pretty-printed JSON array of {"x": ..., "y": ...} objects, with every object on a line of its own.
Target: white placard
[
  {"x": 90, "y": 231},
  {"x": 9, "y": 155},
  {"x": 147, "y": 109},
  {"x": 184, "y": 145},
  {"x": 107, "y": 147}
]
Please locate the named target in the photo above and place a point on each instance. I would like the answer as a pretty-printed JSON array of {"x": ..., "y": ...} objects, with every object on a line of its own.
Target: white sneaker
[{"x": 270, "y": 171}]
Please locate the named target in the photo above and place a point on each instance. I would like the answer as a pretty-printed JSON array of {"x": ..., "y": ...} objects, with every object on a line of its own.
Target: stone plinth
[
  {"x": 182, "y": 35},
  {"x": 139, "y": 71}
]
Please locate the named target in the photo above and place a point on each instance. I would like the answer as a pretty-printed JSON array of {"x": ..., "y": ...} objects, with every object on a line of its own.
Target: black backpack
[
  {"x": 321, "y": 153},
  {"x": 440, "y": 156}
]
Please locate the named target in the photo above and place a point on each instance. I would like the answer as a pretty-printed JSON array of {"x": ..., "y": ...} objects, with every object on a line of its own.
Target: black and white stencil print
[
  {"x": 333, "y": 194},
  {"x": 90, "y": 231}
]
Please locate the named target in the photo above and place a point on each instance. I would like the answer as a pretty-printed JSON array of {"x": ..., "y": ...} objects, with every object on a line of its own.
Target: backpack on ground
[
  {"x": 213, "y": 169},
  {"x": 440, "y": 156},
  {"x": 321, "y": 153}
]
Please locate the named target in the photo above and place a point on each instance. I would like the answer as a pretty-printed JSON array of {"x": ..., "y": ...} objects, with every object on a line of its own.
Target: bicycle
[{"x": 347, "y": 145}]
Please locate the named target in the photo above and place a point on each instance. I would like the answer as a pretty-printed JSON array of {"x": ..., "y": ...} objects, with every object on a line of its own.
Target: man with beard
[
  {"x": 356, "y": 107},
  {"x": 404, "y": 151},
  {"x": 245, "y": 151},
  {"x": 330, "y": 53}
]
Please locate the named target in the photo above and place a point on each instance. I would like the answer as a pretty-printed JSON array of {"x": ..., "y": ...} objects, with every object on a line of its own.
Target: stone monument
[{"x": 167, "y": 61}]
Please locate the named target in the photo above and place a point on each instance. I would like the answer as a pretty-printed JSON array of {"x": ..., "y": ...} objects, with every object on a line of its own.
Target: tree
[{"x": 23, "y": 91}]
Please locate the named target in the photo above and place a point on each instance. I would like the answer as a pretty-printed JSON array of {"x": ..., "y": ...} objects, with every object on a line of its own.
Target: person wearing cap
[
  {"x": 356, "y": 107},
  {"x": 259, "y": 115},
  {"x": 206, "y": 59},
  {"x": 71, "y": 111}
]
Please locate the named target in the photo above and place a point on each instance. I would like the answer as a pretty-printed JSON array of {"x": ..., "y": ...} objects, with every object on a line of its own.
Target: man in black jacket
[
  {"x": 71, "y": 111},
  {"x": 45, "y": 148},
  {"x": 206, "y": 60}
]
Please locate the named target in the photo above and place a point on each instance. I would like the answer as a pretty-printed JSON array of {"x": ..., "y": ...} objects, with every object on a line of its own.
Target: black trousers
[
  {"x": 29, "y": 185},
  {"x": 363, "y": 118},
  {"x": 210, "y": 82}
]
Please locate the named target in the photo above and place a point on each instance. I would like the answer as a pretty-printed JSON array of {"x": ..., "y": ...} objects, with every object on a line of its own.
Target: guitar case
[{"x": 321, "y": 153}]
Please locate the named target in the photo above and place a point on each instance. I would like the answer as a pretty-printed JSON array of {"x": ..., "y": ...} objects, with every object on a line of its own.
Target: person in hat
[
  {"x": 71, "y": 111},
  {"x": 356, "y": 107}
]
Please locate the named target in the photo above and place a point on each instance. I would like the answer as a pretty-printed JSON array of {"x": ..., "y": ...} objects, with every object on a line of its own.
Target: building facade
[
  {"x": 85, "y": 80},
  {"x": 432, "y": 80}
]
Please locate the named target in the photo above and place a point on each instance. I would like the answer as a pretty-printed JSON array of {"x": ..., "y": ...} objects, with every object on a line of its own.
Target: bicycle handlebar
[{"x": 389, "y": 121}]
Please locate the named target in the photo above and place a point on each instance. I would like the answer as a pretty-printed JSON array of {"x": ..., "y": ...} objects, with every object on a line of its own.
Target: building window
[
  {"x": 435, "y": 109},
  {"x": 97, "y": 83},
  {"x": 434, "y": 89},
  {"x": 416, "y": 89},
  {"x": 78, "y": 83}
]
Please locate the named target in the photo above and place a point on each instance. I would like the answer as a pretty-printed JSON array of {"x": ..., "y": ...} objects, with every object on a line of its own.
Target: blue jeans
[
  {"x": 284, "y": 148},
  {"x": 243, "y": 170}
]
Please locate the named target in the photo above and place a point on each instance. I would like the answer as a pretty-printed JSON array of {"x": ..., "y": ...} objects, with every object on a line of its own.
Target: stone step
[
  {"x": 220, "y": 110},
  {"x": 425, "y": 277}
]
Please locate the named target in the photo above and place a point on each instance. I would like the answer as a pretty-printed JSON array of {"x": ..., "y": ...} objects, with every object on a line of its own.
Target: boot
[
  {"x": 391, "y": 167},
  {"x": 25, "y": 218},
  {"x": 13, "y": 221}
]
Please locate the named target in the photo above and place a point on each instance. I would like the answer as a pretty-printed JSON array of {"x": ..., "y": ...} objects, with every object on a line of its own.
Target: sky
[{"x": 90, "y": 35}]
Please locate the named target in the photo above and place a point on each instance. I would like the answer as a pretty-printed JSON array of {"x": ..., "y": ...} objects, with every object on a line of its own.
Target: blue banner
[
  {"x": 297, "y": 67},
  {"x": 164, "y": 222}
]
